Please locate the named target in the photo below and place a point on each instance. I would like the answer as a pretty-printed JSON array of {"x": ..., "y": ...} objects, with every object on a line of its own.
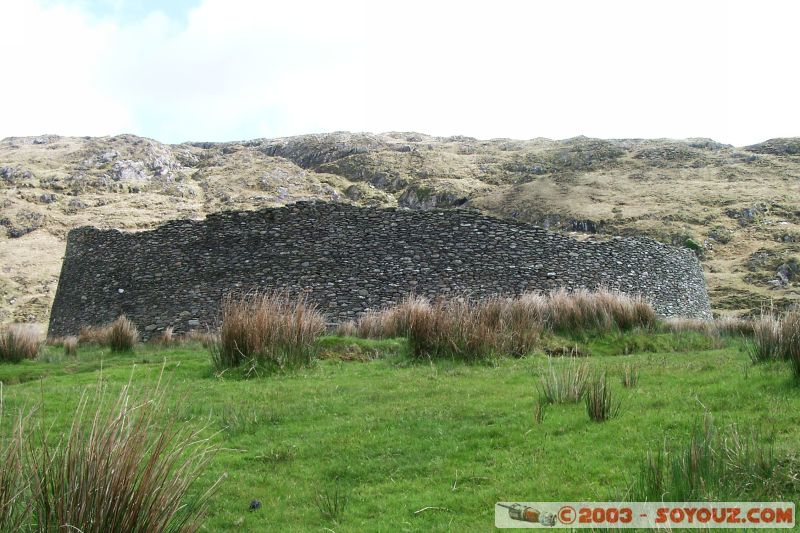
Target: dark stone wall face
[{"x": 349, "y": 259}]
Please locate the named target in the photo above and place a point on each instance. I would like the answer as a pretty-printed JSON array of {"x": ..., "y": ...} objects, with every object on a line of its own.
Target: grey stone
[{"x": 349, "y": 259}]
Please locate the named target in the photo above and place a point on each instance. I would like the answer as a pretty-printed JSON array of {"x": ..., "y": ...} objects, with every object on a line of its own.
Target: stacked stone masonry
[{"x": 349, "y": 259}]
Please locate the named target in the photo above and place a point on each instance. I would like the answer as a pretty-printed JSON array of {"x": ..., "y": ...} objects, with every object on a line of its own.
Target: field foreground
[{"x": 404, "y": 446}]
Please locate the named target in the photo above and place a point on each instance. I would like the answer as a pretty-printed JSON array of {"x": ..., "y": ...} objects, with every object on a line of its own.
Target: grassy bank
[{"x": 368, "y": 439}]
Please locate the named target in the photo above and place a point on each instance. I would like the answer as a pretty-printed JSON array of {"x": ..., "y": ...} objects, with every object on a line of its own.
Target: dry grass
[
  {"x": 392, "y": 321},
  {"x": 166, "y": 338},
  {"x": 70, "y": 346},
  {"x": 739, "y": 327},
  {"x": 373, "y": 324},
  {"x": 203, "y": 337},
  {"x": 127, "y": 468},
  {"x": 734, "y": 327},
  {"x": 270, "y": 329},
  {"x": 465, "y": 329},
  {"x": 19, "y": 342},
  {"x": 121, "y": 335},
  {"x": 469, "y": 329},
  {"x": 776, "y": 338},
  {"x": 572, "y": 312},
  {"x": 348, "y": 328},
  {"x": 123, "y": 467},
  {"x": 767, "y": 341},
  {"x": 92, "y": 335},
  {"x": 691, "y": 325},
  {"x": 791, "y": 341},
  {"x": 600, "y": 310}
]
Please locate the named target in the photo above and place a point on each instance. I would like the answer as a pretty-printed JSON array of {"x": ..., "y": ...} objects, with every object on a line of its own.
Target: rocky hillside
[{"x": 738, "y": 208}]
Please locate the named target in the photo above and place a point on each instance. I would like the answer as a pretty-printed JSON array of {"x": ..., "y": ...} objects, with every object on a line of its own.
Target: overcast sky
[{"x": 235, "y": 69}]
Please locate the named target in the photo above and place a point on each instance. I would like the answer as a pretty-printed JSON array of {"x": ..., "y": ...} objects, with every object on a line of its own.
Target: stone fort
[{"x": 348, "y": 259}]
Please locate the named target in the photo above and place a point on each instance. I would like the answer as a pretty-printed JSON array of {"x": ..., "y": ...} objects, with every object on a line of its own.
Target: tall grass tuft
[
  {"x": 539, "y": 410},
  {"x": 124, "y": 469},
  {"x": 15, "y": 506},
  {"x": 564, "y": 383},
  {"x": 166, "y": 338},
  {"x": 522, "y": 318},
  {"x": 461, "y": 328},
  {"x": 730, "y": 326},
  {"x": 331, "y": 503},
  {"x": 122, "y": 335},
  {"x": 71, "y": 346},
  {"x": 600, "y": 404},
  {"x": 19, "y": 342},
  {"x": 348, "y": 328},
  {"x": 708, "y": 328},
  {"x": 767, "y": 341},
  {"x": 737, "y": 327},
  {"x": 469, "y": 329},
  {"x": 374, "y": 324},
  {"x": 713, "y": 465},
  {"x": 630, "y": 376},
  {"x": 274, "y": 330},
  {"x": 93, "y": 335},
  {"x": 791, "y": 341},
  {"x": 391, "y": 322},
  {"x": 197, "y": 336},
  {"x": 601, "y": 310}
]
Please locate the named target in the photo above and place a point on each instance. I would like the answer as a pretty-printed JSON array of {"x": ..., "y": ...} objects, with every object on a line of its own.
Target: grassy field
[{"x": 407, "y": 446}]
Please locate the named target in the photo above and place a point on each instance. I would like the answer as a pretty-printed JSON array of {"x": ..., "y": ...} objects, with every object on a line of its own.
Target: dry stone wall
[{"x": 349, "y": 259}]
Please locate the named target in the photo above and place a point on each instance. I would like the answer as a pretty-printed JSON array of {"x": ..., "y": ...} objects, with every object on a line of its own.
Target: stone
[
  {"x": 128, "y": 170},
  {"x": 348, "y": 259}
]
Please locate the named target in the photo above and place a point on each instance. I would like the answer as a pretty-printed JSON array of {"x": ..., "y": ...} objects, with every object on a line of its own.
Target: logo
[{"x": 523, "y": 513}]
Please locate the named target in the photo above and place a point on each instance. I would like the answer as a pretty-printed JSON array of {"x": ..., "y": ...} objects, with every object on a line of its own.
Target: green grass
[{"x": 389, "y": 437}]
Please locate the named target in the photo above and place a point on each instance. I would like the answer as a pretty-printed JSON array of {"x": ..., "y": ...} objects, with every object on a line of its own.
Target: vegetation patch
[
  {"x": 267, "y": 330},
  {"x": 354, "y": 421},
  {"x": 478, "y": 330},
  {"x": 442, "y": 440},
  {"x": 123, "y": 467},
  {"x": 17, "y": 343},
  {"x": 600, "y": 402},
  {"x": 714, "y": 465},
  {"x": 564, "y": 383},
  {"x": 776, "y": 338},
  {"x": 120, "y": 335}
]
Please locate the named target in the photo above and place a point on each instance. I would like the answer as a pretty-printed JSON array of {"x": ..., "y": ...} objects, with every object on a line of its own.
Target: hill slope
[{"x": 739, "y": 208}]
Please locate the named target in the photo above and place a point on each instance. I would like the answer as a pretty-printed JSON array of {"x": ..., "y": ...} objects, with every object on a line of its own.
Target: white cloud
[
  {"x": 239, "y": 69},
  {"x": 50, "y": 59}
]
